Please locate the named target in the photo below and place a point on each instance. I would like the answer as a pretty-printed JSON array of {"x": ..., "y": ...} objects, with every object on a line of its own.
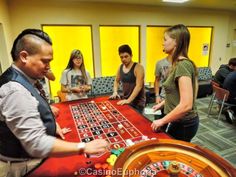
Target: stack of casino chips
[{"x": 107, "y": 167}]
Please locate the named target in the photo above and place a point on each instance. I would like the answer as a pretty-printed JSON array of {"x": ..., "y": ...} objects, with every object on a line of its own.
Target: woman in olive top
[{"x": 180, "y": 87}]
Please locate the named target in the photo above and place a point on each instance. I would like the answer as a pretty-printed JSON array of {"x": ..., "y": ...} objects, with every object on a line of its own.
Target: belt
[
  {"x": 194, "y": 116},
  {"x": 11, "y": 160},
  {"x": 6, "y": 161}
]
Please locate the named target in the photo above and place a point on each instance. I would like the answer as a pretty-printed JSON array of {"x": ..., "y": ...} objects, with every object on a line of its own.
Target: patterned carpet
[{"x": 220, "y": 138}]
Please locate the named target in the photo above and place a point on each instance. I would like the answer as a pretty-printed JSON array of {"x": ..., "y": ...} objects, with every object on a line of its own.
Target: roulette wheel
[{"x": 170, "y": 158}]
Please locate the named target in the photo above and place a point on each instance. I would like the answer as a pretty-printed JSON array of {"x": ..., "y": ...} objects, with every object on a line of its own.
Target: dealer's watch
[{"x": 81, "y": 147}]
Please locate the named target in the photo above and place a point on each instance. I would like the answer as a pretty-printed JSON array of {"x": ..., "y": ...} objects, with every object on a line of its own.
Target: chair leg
[
  {"x": 210, "y": 105},
  {"x": 221, "y": 108}
]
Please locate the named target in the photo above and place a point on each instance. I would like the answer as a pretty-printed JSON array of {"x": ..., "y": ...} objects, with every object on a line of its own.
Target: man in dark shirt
[
  {"x": 132, "y": 77},
  {"x": 230, "y": 85},
  {"x": 224, "y": 70}
]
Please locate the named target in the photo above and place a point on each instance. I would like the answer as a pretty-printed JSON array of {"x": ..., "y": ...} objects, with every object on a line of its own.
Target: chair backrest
[
  {"x": 214, "y": 83},
  {"x": 204, "y": 73},
  {"x": 220, "y": 93},
  {"x": 103, "y": 85}
]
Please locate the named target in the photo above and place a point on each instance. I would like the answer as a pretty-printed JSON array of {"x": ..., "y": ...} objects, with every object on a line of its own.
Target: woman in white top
[{"x": 75, "y": 80}]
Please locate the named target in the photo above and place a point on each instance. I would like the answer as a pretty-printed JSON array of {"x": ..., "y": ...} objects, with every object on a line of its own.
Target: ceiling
[{"x": 229, "y": 5}]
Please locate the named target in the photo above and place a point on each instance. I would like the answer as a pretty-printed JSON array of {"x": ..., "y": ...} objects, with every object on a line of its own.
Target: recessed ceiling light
[{"x": 175, "y": 1}]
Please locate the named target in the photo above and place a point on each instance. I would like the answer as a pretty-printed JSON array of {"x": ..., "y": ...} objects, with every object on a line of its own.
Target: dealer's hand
[
  {"x": 61, "y": 132},
  {"x": 97, "y": 146}
]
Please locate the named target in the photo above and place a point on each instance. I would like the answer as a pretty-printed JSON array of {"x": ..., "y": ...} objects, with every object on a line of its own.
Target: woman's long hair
[
  {"x": 182, "y": 36},
  {"x": 77, "y": 54}
]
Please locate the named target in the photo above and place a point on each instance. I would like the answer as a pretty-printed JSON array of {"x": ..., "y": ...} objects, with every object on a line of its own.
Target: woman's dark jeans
[{"x": 184, "y": 130}]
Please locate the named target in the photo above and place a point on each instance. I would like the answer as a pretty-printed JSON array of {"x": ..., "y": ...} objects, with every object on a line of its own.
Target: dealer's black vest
[{"x": 10, "y": 146}]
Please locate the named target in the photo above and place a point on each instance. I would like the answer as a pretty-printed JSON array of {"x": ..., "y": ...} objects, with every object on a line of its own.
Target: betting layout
[{"x": 96, "y": 120}]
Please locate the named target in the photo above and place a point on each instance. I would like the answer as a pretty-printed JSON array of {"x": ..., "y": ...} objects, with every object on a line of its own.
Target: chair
[
  {"x": 215, "y": 83},
  {"x": 62, "y": 96},
  {"x": 103, "y": 86},
  {"x": 220, "y": 96},
  {"x": 213, "y": 95},
  {"x": 204, "y": 82}
]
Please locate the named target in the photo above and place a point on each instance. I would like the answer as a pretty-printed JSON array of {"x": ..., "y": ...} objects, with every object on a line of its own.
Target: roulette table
[
  {"x": 170, "y": 158},
  {"x": 92, "y": 119}
]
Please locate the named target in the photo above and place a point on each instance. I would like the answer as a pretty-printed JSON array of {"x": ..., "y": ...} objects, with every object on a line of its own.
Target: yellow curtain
[
  {"x": 111, "y": 37},
  {"x": 65, "y": 39},
  {"x": 199, "y": 49}
]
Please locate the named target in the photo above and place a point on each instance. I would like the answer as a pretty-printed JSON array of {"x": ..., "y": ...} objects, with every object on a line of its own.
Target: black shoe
[{"x": 229, "y": 115}]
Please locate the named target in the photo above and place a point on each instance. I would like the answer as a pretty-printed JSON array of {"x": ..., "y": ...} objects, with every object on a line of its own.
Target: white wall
[
  {"x": 33, "y": 13},
  {"x": 231, "y": 50}
]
